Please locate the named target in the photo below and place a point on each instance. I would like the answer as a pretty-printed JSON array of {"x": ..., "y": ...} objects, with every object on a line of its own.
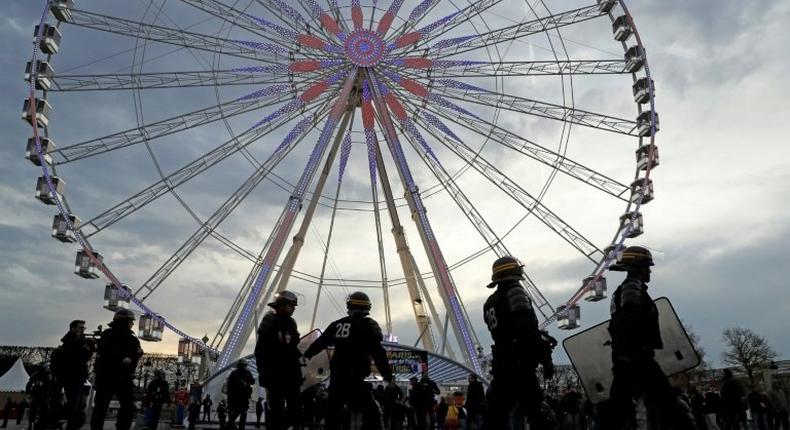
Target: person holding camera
[{"x": 69, "y": 364}]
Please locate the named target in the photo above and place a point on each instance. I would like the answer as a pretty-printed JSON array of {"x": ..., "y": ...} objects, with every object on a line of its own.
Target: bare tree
[{"x": 747, "y": 349}]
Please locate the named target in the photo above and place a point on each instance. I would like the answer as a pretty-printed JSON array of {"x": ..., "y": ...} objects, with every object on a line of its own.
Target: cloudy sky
[{"x": 719, "y": 224}]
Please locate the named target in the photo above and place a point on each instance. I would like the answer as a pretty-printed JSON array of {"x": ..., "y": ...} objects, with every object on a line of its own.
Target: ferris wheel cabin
[
  {"x": 43, "y": 109},
  {"x": 641, "y": 89},
  {"x": 151, "y": 327},
  {"x": 621, "y": 28},
  {"x": 61, "y": 230},
  {"x": 634, "y": 59},
  {"x": 644, "y": 123},
  {"x": 44, "y": 73},
  {"x": 43, "y": 192},
  {"x": 647, "y": 157},
  {"x": 116, "y": 298},
  {"x": 642, "y": 188},
  {"x": 596, "y": 288},
  {"x": 50, "y": 39},
  {"x": 568, "y": 317},
  {"x": 61, "y": 9},
  {"x": 84, "y": 266},
  {"x": 612, "y": 252},
  {"x": 638, "y": 226},
  {"x": 605, "y": 6},
  {"x": 47, "y": 146}
]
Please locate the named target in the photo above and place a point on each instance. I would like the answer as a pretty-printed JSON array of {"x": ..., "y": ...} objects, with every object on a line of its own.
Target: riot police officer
[
  {"x": 518, "y": 349},
  {"x": 356, "y": 338},
  {"x": 158, "y": 393},
  {"x": 240, "y": 382},
  {"x": 277, "y": 357},
  {"x": 116, "y": 359},
  {"x": 71, "y": 371},
  {"x": 636, "y": 335}
]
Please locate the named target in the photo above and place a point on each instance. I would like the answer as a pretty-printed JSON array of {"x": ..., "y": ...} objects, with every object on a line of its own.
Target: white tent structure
[{"x": 15, "y": 379}]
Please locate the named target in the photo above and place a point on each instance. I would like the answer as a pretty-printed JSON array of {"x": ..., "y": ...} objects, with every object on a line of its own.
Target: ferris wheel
[{"x": 406, "y": 145}]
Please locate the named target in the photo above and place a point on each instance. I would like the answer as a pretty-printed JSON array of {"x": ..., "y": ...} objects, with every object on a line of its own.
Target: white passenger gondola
[
  {"x": 605, "y": 6},
  {"x": 634, "y": 59},
  {"x": 647, "y": 157},
  {"x": 186, "y": 350},
  {"x": 151, "y": 327},
  {"x": 61, "y": 9},
  {"x": 61, "y": 230},
  {"x": 50, "y": 39},
  {"x": 116, "y": 298},
  {"x": 45, "y": 195},
  {"x": 596, "y": 288},
  {"x": 43, "y": 108},
  {"x": 638, "y": 227},
  {"x": 85, "y": 267},
  {"x": 621, "y": 28},
  {"x": 612, "y": 251},
  {"x": 44, "y": 74},
  {"x": 642, "y": 188},
  {"x": 568, "y": 317},
  {"x": 644, "y": 124},
  {"x": 47, "y": 146},
  {"x": 641, "y": 89}
]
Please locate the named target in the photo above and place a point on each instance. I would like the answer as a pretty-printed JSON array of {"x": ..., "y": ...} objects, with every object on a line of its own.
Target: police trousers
[
  {"x": 354, "y": 395},
  {"x": 285, "y": 406},
  {"x": 121, "y": 388},
  {"x": 514, "y": 383}
]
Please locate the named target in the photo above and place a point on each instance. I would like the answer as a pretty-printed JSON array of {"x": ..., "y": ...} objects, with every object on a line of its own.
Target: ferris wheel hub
[{"x": 364, "y": 48}]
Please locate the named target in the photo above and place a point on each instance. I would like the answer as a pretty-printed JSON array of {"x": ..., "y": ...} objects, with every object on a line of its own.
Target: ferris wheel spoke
[
  {"x": 520, "y": 196},
  {"x": 484, "y": 69},
  {"x": 259, "y": 51},
  {"x": 169, "y": 126},
  {"x": 185, "y": 79},
  {"x": 515, "y": 142},
  {"x": 468, "y": 93},
  {"x": 210, "y": 225},
  {"x": 189, "y": 171},
  {"x": 458, "y": 45}
]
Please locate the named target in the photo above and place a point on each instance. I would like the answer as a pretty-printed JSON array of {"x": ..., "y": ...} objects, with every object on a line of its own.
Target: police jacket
[
  {"x": 634, "y": 325},
  {"x": 73, "y": 357},
  {"x": 116, "y": 343},
  {"x": 356, "y": 339},
  {"x": 158, "y": 391},
  {"x": 276, "y": 352},
  {"x": 510, "y": 318},
  {"x": 240, "y": 383}
]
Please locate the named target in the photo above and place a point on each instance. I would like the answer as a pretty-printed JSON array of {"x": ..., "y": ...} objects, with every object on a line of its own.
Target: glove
[{"x": 548, "y": 370}]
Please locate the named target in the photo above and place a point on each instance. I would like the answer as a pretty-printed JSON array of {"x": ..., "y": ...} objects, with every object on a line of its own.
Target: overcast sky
[{"x": 719, "y": 223}]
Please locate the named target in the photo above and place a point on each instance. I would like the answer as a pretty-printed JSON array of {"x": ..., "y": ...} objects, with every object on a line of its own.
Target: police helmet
[
  {"x": 284, "y": 297},
  {"x": 632, "y": 258},
  {"x": 123, "y": 315},
  {"x": 506, "y": 268},
  {"x": 358, "y": 303}
]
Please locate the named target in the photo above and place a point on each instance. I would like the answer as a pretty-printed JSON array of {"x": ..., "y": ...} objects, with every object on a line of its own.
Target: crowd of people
[{"x": 513, "y": 398}]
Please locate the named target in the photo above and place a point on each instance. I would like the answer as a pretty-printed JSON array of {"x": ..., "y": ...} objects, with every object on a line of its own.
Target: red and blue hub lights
[{"x": 364, "y": 48}]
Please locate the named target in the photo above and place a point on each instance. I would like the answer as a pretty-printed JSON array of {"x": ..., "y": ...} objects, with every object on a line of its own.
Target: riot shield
[
  {"x": 315, "y": 370},
  {"x": 591, "y": 354}
]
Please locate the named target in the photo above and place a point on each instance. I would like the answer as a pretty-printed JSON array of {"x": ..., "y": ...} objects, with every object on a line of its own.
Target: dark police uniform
[
  {"x": 277, "y": 357},
  {"x": 517, "y": 350},
  {"x": 71, "y": 373},
  {"x": 356, "y": 339},
  {"x": 113, "y": 376}
]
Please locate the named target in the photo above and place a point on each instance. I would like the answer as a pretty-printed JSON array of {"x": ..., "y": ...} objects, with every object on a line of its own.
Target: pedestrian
[
  {"x": 441, "y": 412},
  {"x": 712, "y": 407},
  {"x": 519, "y": 346},
  {"x": 43, "y": 392},
  {"x": 778, "y": 398},
  {"x": 193, "y": 413},
  {"x": 7, "y": 409},
  {"x": 758, "y": 407},
  {"x": 69, "y": 364},
  {"x": 222, "y": 413},
  {"x": 158, "y": 393},
  {"x": 698, "y": 408},
  {"x": 207, "y": 403},
  {"x": 390, "y": 399},
  {"x": 635, "y": 334},
  {"x": 732, "y": 402},
  {"x": 570, "y": 405},
  {"x": 357, "y": 338},
  {"x": 475, "y": 397},
  {"x": 20, "y": 411},
  {"x": 278, "y": 359},
  {"x": 258, "y": 411},
  {"x": 240, "y": 382},
  {"x": 423, "y": 400},
  {"x": 117, "y": 355}
]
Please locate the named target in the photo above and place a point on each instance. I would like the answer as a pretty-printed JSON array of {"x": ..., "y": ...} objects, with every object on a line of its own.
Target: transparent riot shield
[
  {"x": 315, "y": 370},
  {"x": 591, "y": 354}
]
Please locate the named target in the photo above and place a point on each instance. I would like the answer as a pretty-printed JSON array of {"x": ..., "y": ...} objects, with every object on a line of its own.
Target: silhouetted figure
[
  {"x": 117, "y": 356},
  {"x": 475, "y": 398},
  {"x": 43, "y": 392},
  {"x": 391, "y": 400},
  {"x": 635, "y": 333},
  {"x": 423, "y": 400},
  {"x": 258, "y": 411},
  {"x": 71, "y": 371},
  {"x": 207, "y": 403},
  {"x": 357, "y": 338},
  {"x": 240, "y": 382},
  {"x": 222, "y": 413},
  {"x": 193, "y": 413},
  {"x": 519, "y": 346},
  {"x": 158, "y": 393},
  {"x": 21, "y": 409},
  {"x": 7, "y": 409},
  {"x": 278, "y": 360}
]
